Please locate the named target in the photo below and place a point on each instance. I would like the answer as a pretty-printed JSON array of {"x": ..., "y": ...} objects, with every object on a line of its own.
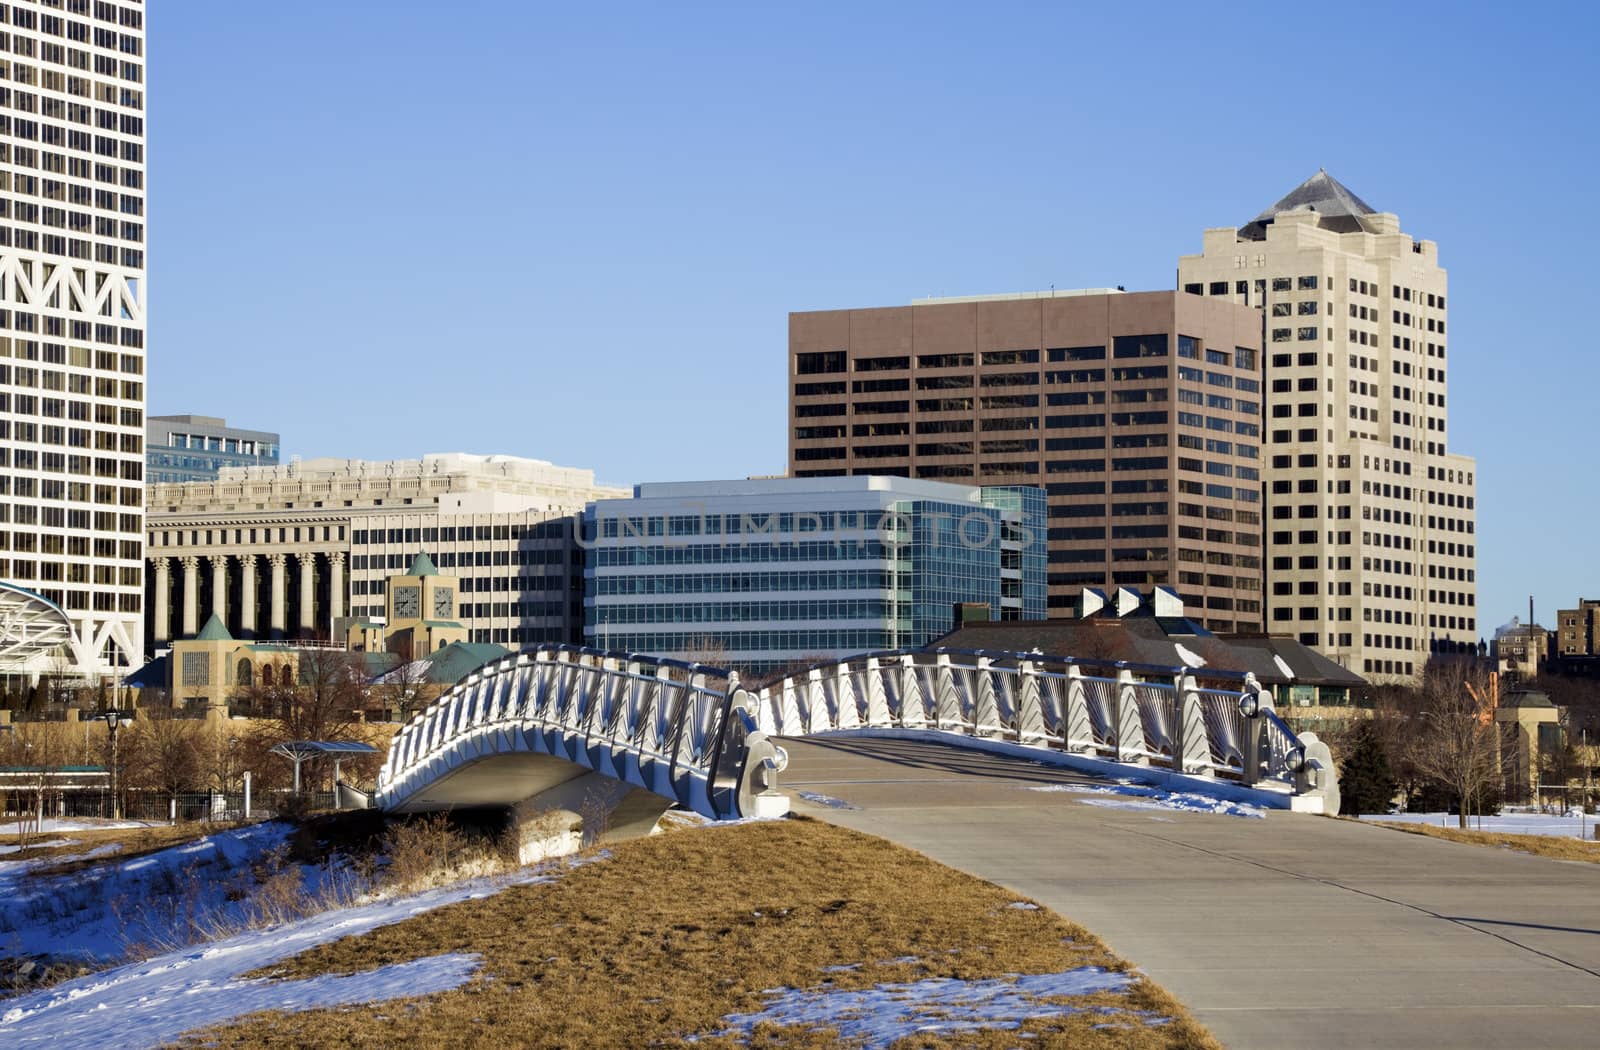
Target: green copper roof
[
  {"x": 458, "y": 659},
  {"x": 422, "y": 565},
  {"x": 213, "y": 631}
]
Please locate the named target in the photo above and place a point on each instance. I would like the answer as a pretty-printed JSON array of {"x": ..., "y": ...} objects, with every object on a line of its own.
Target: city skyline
[{"x": 619, "y": 218}]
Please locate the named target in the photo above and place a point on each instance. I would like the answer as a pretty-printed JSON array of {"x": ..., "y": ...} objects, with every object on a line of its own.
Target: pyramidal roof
[
  {"x": 422, "y": 565},
  {"x": 214, "y": 631},
  {"x": 1341, "y": 211}
]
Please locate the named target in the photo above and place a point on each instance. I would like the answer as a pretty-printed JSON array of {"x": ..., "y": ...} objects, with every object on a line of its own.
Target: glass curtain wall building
[
  {"x": 767, "y": 573},
  {"x": 197, "y": 448}
]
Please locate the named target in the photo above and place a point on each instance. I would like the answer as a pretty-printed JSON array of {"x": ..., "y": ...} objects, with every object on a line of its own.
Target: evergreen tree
[{"x": 1366, "y": 784}]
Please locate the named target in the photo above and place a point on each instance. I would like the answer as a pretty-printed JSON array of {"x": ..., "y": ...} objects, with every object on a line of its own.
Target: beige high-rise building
[{"x": 1370, "y": 536}]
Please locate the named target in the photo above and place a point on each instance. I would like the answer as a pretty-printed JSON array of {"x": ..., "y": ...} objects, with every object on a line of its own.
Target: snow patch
[
  {"x": 825, "y": 800},
  {"x": 1135, "y": 796},
  {"x": 1288, "y": 672},
  {"x": 885, "y": 1013},
  {"x": 1579, "y": 827},
  {"x": 51, "y": 825},
  {"x": 51, "y": 844},
  {"x": 151, "y": 1003},
  {"x": 1188, "y": 656},
  {"x": 94, "y": 915}
]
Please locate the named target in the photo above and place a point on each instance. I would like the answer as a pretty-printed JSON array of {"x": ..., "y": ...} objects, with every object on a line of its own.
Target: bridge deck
[{"x": 1289, "y": 931}]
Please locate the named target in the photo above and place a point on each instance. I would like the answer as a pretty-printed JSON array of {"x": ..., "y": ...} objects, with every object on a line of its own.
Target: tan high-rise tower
[{"x": 1370, "y": 537}]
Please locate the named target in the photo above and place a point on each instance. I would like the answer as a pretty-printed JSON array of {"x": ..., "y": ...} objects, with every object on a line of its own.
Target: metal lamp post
[{"x": 113, "y": 721}]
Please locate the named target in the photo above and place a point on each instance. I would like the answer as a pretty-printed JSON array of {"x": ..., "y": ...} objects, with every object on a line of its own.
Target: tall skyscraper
[
  {"x": 72, "y": 317},
  {"x": 1138, "y": 413},
  {"x": 1370, "y": 538}
]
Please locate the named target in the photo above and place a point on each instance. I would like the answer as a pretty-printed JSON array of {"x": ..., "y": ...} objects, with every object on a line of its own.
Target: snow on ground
[
  {"x": 880, "y": 1015},
  {"x": 818, "y": 799},
  {"x": 150, "y": 1003},
  {"x": 1136, "y": 796},
  {"x": 97, "y": 914},
  {"x": 53, "y": 826},
  {"x": 48, "y": 844},
  {"x": 1505, "y": 823}
]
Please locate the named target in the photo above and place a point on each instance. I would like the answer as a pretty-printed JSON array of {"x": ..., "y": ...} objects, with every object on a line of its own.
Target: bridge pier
[{"x": 581, "y": 812}]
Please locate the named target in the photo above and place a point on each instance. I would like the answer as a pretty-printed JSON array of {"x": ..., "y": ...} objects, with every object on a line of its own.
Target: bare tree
[
  {"x": 164, "y": 753},
  {"x": 1452, "y": 738},
  {"x": 36, "y": 750},
  {"x": 404, "y": 690},
  {"x": 322, "y": 700}
]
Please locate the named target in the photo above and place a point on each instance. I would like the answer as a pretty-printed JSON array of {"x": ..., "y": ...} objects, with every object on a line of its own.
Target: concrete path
[{"x": 1285, "y": 932}]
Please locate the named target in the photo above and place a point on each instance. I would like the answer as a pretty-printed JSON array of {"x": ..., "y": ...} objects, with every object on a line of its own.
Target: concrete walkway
[{"x": 1285, "y": 932}]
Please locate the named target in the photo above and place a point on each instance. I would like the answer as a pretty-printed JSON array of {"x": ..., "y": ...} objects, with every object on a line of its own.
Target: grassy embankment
[
  {"x": 1555, "y": 846},
  {"x": 674, "y": 932}
]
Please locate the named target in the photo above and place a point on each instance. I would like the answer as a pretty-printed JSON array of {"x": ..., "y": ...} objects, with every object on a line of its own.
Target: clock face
[
  {"x": 444, "y": 604},
  {"x": 407, "y": 601}
]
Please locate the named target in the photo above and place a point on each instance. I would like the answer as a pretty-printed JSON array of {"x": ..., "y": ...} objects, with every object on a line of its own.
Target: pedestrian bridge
[{"x": 621, "y": 737}]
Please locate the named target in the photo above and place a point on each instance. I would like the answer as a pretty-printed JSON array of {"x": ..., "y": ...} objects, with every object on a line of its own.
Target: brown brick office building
[{"x": 1139, "y": 413}]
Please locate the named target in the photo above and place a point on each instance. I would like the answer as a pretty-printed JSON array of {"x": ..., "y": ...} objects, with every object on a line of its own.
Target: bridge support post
[
  {"x": 913, "y": 705},
  {"x": 986, "y": 721},
  {"x": 1078, "y": 730},
  {"x": 878, "y": 713},
  {"x": 1031, "y": 726},
  {"x": 946, "y": 705},
  {"x": 1130, "y": 728},
  {"x": 1193, "y": 752}
]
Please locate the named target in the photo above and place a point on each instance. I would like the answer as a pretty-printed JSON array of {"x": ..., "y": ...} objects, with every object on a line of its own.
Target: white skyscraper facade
[
  {"x": 1371, "y": 547},
  {"x": 72, "y": 318}
]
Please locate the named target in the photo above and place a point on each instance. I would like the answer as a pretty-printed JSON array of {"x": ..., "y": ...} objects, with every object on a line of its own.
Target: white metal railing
[
  {"x": 694, "y": 734},
  {"x": 682, "y": 730},
  {"x": 1199, "y": 721}
]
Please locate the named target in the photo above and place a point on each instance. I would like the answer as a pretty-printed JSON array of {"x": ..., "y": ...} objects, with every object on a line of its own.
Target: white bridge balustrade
[
  {"x": 569, "y": 730},
  {"x": 1198, "y": 722},
  {"x": 518, "y": 729}
]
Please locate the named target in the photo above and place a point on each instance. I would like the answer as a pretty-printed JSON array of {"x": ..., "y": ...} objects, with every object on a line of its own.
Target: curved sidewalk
[{"x": 1286, "y": 931}]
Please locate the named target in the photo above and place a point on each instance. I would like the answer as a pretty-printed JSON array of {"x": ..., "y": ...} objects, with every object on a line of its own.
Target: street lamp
[{"x": 113, "y": 721}]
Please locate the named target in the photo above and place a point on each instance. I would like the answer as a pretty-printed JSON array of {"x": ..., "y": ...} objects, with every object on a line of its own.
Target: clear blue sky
[{"x": 574, "y": 232}]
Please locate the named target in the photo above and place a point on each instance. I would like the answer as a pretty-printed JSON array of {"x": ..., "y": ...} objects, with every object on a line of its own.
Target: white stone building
[
  {"x": 72, "y": 322},
  {"x": 1370, "y": 535},
  {"x": 297, "y": 549}
]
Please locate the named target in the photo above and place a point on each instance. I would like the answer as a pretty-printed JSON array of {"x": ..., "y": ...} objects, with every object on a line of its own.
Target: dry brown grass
[
  {"x": 676, "y": 931},
  {"x": 1554, "y": 846},
  {"x": 135, "y": 842}
]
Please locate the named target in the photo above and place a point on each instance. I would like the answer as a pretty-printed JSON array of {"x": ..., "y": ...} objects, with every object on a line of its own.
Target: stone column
[
  {"x": 308, "y": 591},
  {"x": 335, "y": 590},
  {"x": 280, "y": 619},
  {"x": 191, "y": 595},
  {"x": 247, "y": 595},
  {"x": 219, "y": 586},
  {"x": 162, "y": 629}
]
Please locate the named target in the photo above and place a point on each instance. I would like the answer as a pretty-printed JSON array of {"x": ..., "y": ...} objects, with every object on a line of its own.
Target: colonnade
[{"x": 243, "y": 621}]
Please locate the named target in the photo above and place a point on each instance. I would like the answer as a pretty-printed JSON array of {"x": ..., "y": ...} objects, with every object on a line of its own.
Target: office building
[
  {"x": 762, "y": 574},
  {"x": 196, "y": 448},
  {"x": 302, "y": 549},
  {"x": 1578, "y": 630},
  {"x": 1370, "y": 539},
  {"x": 1139, "y": 414},
  {"x": 72, "y": 323}
]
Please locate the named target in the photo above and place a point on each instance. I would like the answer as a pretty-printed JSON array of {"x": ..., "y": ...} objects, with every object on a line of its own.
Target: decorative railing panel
[
  {"x": 1199, "y": 721},
  {"x": 679, "y": 729}
]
